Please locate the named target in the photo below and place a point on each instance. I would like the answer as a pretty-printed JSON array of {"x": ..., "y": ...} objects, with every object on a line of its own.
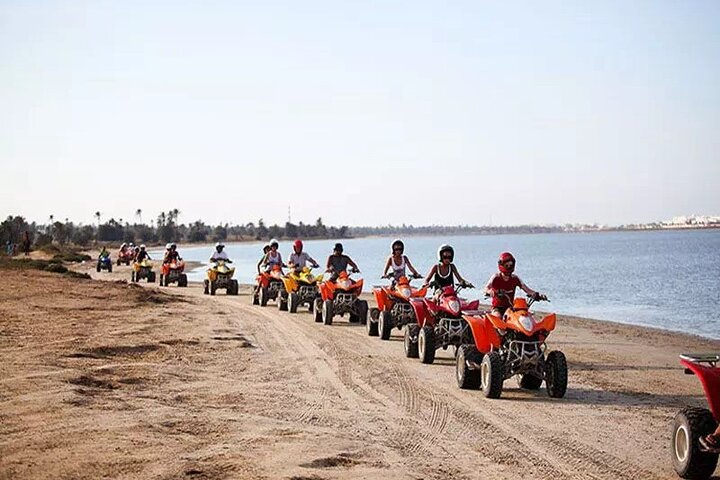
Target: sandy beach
[{"x": 103, "y": 379}]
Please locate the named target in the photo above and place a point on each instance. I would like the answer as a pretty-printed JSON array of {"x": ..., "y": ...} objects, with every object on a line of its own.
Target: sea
[{"x": 664, "y": 279}]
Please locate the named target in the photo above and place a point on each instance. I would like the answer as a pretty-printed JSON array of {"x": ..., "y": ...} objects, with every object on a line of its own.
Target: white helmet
[
  {"x": 274, "y": 242},
  {"x": 142, "y": 247},
  {"x": 168, "y": 246},
  {"x": 123, "y": 245}
]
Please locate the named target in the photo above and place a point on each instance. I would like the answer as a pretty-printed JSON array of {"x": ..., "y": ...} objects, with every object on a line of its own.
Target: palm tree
[
  {"x": 97, "y": 215},
  {"x": 138, "y": 214}
]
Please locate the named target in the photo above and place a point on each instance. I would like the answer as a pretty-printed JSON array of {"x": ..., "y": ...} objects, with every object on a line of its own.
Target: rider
[
  {"x": 272, "y": 257},
  {"x": 104, "y": 253},
  {"x": 501, "y": 286},
  {"x": 338, "y": 262},
  {"x": 123, "y": 248},
  {"x": 219, "y": 254},
  {"x": 442, "y": 273},
  {"x": 299, "y": 259},
  {"x": 142, "y": 254},
  {"x": 266, "y": 249},
  {"x": 397, "y": 261},
  {"x": 171, "y": 254}
]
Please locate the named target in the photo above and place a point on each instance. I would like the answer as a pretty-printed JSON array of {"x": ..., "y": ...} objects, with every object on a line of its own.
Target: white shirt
[{"x": 219, "y": 256}]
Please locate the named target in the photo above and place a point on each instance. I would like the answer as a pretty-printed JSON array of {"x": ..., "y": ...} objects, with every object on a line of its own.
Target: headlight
[
  {"x": 454, "y": 306},
  {"x": 405, "y": 292},
  {"x": 344, "y": 284},
  {"x": 527, "y": 323}
]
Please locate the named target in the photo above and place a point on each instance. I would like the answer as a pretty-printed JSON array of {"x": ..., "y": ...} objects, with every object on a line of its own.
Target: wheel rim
[
  {"x": 682, "y": 444},
  {"x": 459, "y": 365},
  {"x": 381, "y": 323},
  {"x": 485, "y": 374},
  {"x": 421, "y": 343}
]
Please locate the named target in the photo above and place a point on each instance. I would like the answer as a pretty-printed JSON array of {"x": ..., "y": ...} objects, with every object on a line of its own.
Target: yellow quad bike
[
  {"x": 142, "y": 270},
  {"x": 301, "y": 288},
  {"x": 219, "y": 275}
]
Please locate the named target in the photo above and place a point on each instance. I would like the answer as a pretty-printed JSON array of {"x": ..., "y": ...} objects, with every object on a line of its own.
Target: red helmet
[
  {"x": 298, "y": 245},
  {"x": 506, "y": 263}
]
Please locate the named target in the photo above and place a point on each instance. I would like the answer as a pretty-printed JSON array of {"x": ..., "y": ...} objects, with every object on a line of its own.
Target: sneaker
[{"x": 709, "y": 444}]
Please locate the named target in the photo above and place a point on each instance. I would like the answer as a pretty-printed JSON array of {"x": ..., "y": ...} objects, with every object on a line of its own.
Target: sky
[{"x": 361, "y": 112}]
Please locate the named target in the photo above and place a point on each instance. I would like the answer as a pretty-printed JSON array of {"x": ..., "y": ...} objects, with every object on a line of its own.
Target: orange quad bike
[
  {"x": 270, "y": 286},
  {"x": 339, "y": 297},
  {"x": 512, "y": 345},
  {"x": 690, "y": 459},
  {"x": 394, "y": 308},
  {"x": 172, "y": 272}
]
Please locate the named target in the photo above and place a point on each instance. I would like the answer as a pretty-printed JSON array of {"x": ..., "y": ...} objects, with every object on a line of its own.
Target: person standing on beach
[
  {"x": 501, "y": 286},
  {"x": 26, "y": 243}
]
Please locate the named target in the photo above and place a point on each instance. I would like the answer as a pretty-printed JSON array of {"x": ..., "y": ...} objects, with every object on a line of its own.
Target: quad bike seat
[{"x": 705, "y": 367}]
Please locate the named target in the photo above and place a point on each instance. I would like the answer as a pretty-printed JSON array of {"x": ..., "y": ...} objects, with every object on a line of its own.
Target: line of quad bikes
[{"x": 488, "y": 349}]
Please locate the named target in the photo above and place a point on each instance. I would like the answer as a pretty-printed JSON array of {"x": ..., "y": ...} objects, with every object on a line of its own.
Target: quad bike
[
  {"x": 439, "y": 323},
  {"x": 270, "y": 286},
  {"x": 301, "y": 288},
  {"x": 501, "y": 348},
  {"x": 104, "y": 263},
  {"x": 219, "y": 275},
  {"x": 394, "y": 307},
  {"x": 691, "y": 423},
  {"x": 142, "y": 270},
  {"x": 340, "y": 297},
  {"x": 125, "y": 256},
  {"x": 173, "y": 272}
]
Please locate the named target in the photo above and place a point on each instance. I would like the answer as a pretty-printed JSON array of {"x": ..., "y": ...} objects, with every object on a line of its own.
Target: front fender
[
  {"x": 381, "y": 298},
  {"x": 418, "y": 306},
  {"x": 327, "y": 290},
  {"x": 484, "y": 333}
]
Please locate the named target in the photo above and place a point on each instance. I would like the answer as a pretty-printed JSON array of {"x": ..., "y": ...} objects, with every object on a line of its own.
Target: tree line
[{"x": 163, "y": 229}]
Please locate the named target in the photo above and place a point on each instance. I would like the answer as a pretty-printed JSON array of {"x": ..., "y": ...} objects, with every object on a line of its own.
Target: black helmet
[
  {"x": 266, "y": 248},
  {"x": 445, "y": 248},
  {"x": 399, "y": 244},
  {"x": 219, "y": 246},
  {"x": 338, "y": 247}
]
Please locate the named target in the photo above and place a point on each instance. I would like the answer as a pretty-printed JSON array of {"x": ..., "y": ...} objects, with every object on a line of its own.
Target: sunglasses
[
  {"x": 447, "y": 257},
  {"x": 397, "y": 249}
]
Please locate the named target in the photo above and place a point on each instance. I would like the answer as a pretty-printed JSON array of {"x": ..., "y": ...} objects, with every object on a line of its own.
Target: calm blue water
[{"x": 666, "y": 279}]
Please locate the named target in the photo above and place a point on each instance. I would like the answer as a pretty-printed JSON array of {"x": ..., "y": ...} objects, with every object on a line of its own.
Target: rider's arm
[
  {"x": 457, "y": 275},
  {"x": 352, "y": 264},
  {"x": 529, "y": 291},
  {"x": 313, "y": 262},
  {"x": 410, "y": 266},
  {"x": 489, "y": 290},
  {"x": 430, "y": 274},
  {"x": 329, "y": 266},
  {"x": 387, "y": 265}
]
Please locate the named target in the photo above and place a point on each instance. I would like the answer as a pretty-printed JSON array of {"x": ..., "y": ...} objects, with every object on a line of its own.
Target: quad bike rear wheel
[
  {"x": 327, "y": 312},
  {"x": 467, "y": 378},
  {"x": 293, "y": 302},
  {"x": 151, "y": 277},
  {"x": 118, "y": 262},
  {"x": 317, "y": 310},
  {"x": 385, "y": 325},
  {"x": 690, "y": 424},
  {"x": 426, "y": 344},
  {"x": 371, "y": 322},
  {"x": 98, "y": 267},
  {"x": 556, "y": 374},
  {"x": 492, "y": 375},
  {"x": 110, "y": 267},
  {"x": 410, "y": 340},
  {"x": 529, "y": 381}
]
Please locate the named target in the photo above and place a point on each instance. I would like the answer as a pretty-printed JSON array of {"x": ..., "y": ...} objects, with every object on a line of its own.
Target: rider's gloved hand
[{"x": 539, "y": 296}]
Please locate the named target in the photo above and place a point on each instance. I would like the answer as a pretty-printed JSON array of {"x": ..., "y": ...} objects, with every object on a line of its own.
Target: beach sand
[{"x": 102, "y": 379}]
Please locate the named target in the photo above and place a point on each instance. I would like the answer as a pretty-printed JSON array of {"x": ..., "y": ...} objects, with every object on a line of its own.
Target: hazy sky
[{"x": 362, "y": 112}]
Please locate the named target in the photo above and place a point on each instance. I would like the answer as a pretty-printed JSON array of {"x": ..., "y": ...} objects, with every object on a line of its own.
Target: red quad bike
[
  {"x": 691, "y": 423},
  {"x": 173, "y": 272},
  {"x": 439, "y": 324},
  {"x": 270, "y": 287},
  {"x": 125, "y": 256},
  {"x": 501, "y": 348},
  {"x": 340, "y": 297},
  {"x": 394, "y": 307}
]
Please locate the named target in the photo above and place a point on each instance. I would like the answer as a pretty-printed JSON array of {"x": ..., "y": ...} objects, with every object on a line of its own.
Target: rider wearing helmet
[
  {"x": 442, "y": 273},
  {"x": 338, "y": 262},
  {"x": 123, "y": 248},
  {"x": 397, "y": 261},
  {"x": 142, "y": 254},
  {"x": 501, "y": 286},
  {"x": 266, "y": 249},
  {"x": 171, "y": 253},
  {"x": 272, "y": 257},
  {"x": 299, "y": 259},
  {"x": 219, "y": 253}
]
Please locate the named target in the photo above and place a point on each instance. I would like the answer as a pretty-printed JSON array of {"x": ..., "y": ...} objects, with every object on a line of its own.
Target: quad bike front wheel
[
  {"x": 132, "y": 276},
  {"x": 385, "y": 325},
  {"x": 467, "y": 378},
  {"x": 98, "y": 268},
  {"x": 689, "y": 462},
  {"x": 293, "y": 301},
  {"x": 110, "y": 267},
  {"x": 410, "y": 340},
  {"x": 327, "y": 312},
  {"x": 556, "y": 374},
  {"x": 235, "y": 287},
  {"x": 426, "y": 344},
  {"x": 182, "y": 282},
  {"x": 362, "y": 311},
  {"x": 263, "y": 294},
  {"x": 282, "y": 302},
  {"x": 213, "y": 287},
  {"x": 492, "y": 375},
  {"x": 317, "y": 312},
  {"x": 371, "y": 322},
  {"x": 151, "y": 277},
  {"x": 206, "y": 285}
]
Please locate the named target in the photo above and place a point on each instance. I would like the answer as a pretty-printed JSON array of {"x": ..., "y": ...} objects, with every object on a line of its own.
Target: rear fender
[
  {"x": 710, "y": 379},
  {"x": 472, "y": 305},
  {"x": 484, "y": 333},
  {"x": 359, "y": 286}
]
